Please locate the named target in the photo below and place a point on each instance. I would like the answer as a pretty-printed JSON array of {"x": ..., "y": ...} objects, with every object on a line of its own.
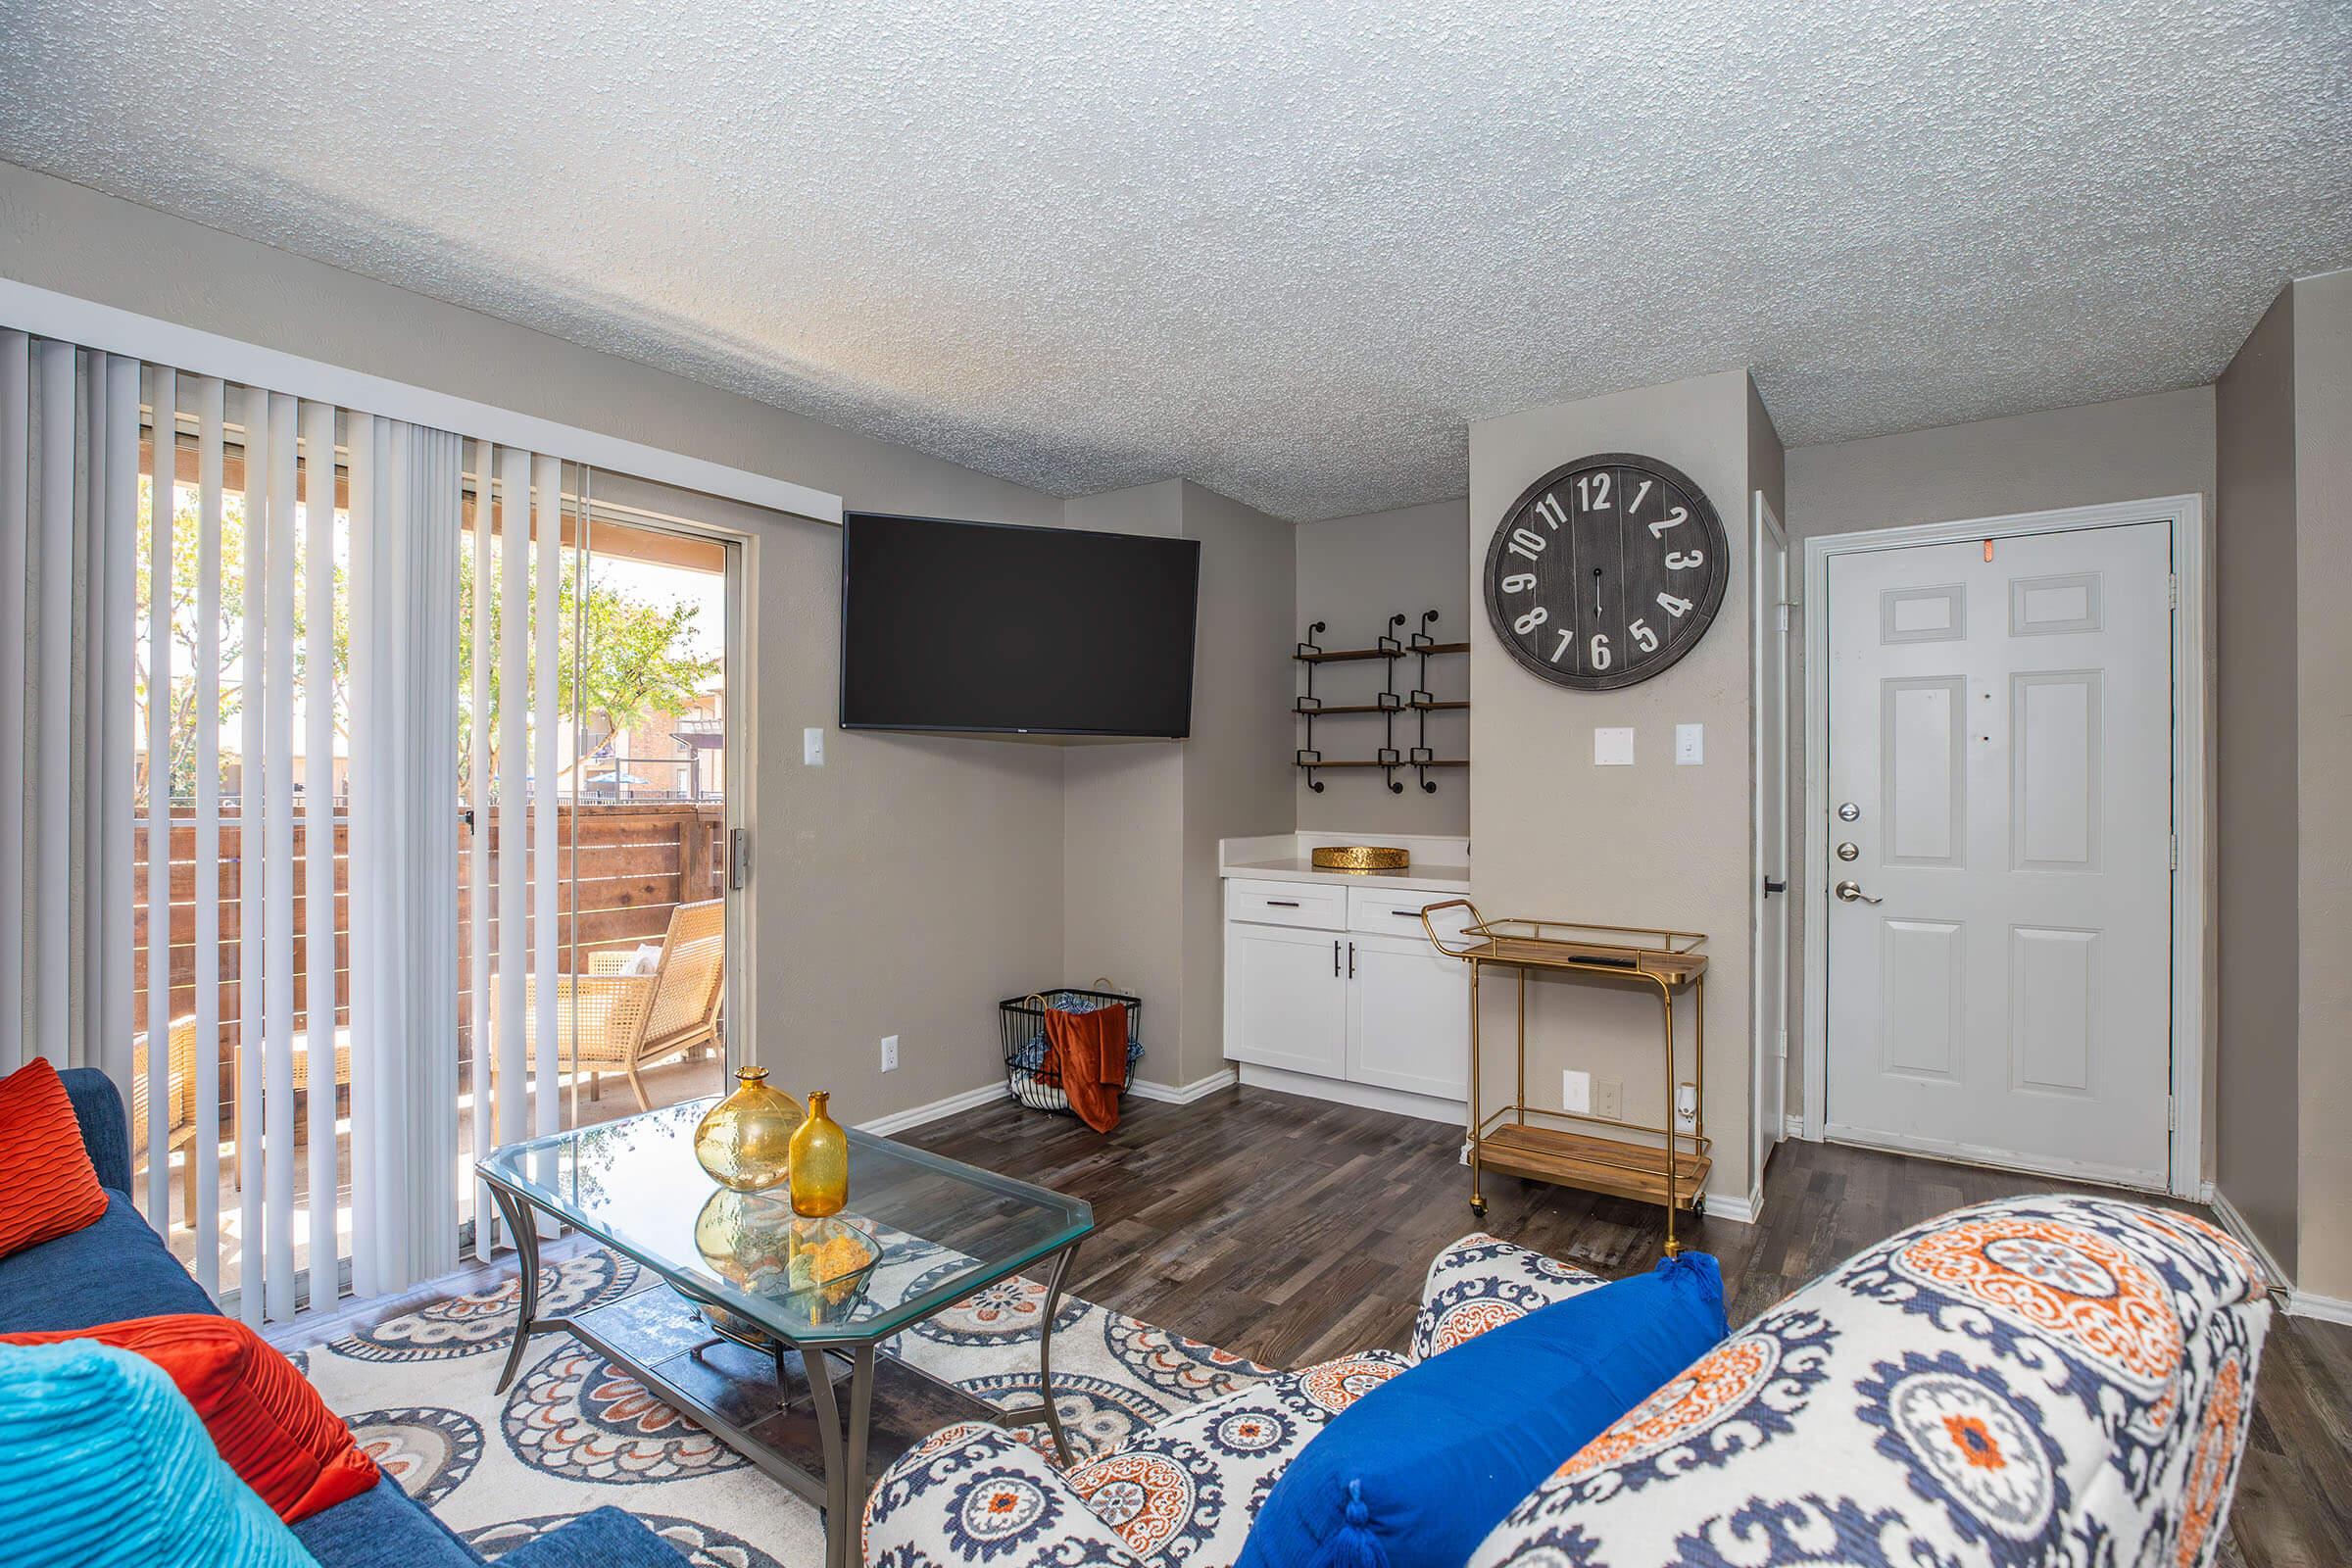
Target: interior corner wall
[
  {"x": 1238, "y": 772},
  {"x": 1652, "y": 844},
  {"x": 2323, "y": 309},
  {"x": 1353, "y": 573},
  {"x": 904, "y": 887},
  {"x": 2128, "y": 450},
  {"x": 2256, "y": 719},
  {"x": 1122, "y": 836}
]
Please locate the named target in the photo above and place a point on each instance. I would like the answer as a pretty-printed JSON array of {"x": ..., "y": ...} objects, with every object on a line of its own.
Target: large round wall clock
[{"x": 1605, "y": 571}]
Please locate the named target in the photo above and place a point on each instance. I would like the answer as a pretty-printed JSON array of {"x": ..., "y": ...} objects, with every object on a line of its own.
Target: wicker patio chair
[
  {"x": 179, "y": 1115},
  {"x": 607, "y": 1021}
]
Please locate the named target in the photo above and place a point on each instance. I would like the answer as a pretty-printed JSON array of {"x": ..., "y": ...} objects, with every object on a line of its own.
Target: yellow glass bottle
[
  {"x": 820, "y": 1163},
  {"x": 745, "y": 1140}
]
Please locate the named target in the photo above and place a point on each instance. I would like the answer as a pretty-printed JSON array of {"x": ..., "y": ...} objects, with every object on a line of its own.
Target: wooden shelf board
[
  {"x": 1441, "y": 648},
  {"x": 1341, "y": 656},
  {"x": 1586, "y": 957},
  {"x": 1592, "y": 1164},
  {"x": 1455, "y": 764},
  {"x": 1373, "y": 707}
]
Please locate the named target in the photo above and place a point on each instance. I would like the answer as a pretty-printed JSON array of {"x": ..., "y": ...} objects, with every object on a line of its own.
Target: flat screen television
[{"x": 987, "y": 628}]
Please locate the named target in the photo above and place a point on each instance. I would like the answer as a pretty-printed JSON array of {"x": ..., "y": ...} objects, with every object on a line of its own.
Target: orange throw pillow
[
  {"x": 269, "y": 1423},
  {"x": 48, "y": 1187}
]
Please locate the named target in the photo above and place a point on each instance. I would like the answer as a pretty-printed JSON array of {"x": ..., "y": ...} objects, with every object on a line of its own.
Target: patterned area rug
[{"x": 577, "y": 1432}]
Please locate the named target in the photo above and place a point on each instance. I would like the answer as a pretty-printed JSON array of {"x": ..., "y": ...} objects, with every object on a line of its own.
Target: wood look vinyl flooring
[{"x": 1291, "y": 1230}]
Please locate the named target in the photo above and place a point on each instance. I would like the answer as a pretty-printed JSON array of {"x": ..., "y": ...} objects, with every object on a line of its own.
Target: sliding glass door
[{"x": 587, "y": 678}]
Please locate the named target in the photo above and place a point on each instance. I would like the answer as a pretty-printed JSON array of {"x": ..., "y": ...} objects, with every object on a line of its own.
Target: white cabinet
[
  {"x": 1358, "y": 998},
  {"x": 1406, "y": 1017},
  {"x": 1285, "y": 998}
]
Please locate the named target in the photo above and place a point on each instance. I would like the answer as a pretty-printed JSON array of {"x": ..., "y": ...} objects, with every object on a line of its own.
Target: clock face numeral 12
[{"x": 1605, "y": 571}]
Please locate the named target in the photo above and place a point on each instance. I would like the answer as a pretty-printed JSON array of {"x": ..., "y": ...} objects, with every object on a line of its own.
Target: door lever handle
[{"x": 1852, "y": 893}]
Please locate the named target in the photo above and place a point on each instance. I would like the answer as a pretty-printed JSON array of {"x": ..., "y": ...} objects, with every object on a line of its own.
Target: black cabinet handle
[
  {"x": 1281, "y": 904},
  {"x": 1350, "y": 961},
  {"x": 1410, "y": 914},
  {"x": 1335, "y": 958}
]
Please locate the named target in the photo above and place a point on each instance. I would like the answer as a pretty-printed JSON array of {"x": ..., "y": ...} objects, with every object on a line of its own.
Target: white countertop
[
  {"x": 1438, "y": 865},
  {"x": 1299, "y": 868}
]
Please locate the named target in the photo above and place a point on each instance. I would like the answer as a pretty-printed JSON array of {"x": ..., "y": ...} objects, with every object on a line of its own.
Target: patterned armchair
[{"x": 2036, "y": 1381}]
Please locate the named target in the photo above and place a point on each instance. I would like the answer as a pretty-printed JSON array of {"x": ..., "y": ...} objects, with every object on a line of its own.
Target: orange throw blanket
[{"x": 1086, "y": 1054}]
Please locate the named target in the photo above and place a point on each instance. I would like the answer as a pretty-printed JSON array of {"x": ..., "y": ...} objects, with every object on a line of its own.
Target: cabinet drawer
[
  {"x": 1397, "y": 912},
  {"x": 1319, "y": 906}
]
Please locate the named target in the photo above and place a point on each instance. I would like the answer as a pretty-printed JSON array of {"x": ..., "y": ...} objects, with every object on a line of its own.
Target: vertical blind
[{"x": 302, "y": 565}]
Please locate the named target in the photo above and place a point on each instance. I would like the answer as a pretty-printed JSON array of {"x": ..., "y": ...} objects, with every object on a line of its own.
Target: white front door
[{"x": 1999, "y": 836}]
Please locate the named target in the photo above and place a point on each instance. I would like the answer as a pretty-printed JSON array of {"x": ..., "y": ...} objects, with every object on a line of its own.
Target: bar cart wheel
[
  {"x": 1699, "y": 1206},
  {"x": 1478, "y": 1207}
]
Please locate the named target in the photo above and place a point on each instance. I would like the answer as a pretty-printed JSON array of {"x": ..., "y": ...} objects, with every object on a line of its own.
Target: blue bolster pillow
[{"x": 1417, "y": 1471}]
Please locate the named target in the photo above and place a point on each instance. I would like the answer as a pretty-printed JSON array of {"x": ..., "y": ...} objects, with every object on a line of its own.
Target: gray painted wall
[
  {"x": 2324, "y": 703},
  {"x": 1648, "y": 845},
  {"x": 2256, "y": 720},
  {"x": 1353, "y": 572}
]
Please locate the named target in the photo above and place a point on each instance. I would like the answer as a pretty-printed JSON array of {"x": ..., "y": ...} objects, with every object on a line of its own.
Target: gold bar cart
[{"x": 1672, "y": 1174}]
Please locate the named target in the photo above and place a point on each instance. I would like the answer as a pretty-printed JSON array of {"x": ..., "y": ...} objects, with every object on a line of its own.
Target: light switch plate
[
  {"x": 1613, "y": 747},
  {"x": 1689, "y": 745},
  {"x": 1576, "y": 1092},
  {"x": 812, "y": 748}
]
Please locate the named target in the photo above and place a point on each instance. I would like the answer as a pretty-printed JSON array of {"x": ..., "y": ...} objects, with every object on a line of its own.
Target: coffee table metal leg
[
  {"x": 1044, "y": 1350},
  {"x": 519, "y": 1225},
  {"x": 838, "y": 1528},
  {"x": 862, "y": 1404}
]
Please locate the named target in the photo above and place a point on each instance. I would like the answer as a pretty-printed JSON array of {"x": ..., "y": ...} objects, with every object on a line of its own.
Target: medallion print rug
[{"x": 576, "y": 1430}]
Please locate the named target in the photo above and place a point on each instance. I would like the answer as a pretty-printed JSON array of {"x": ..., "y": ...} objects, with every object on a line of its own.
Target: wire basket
[{"x": 1021, "y": 1021}]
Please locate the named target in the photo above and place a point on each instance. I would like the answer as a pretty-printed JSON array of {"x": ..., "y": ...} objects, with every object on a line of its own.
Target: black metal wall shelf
[{"x": 1418, "y": 702}]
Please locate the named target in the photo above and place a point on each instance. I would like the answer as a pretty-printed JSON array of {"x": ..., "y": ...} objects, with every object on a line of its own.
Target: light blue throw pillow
[{"x": 103, "y": 1465}]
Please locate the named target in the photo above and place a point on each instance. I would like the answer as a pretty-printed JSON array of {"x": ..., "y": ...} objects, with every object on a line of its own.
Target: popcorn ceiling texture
[{"x": 1288, "y": 251}]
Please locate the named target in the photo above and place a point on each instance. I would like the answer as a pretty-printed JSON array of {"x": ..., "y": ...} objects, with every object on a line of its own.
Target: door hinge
[
  {"x": 739, "y": 858},
  {"x": 2172, "y": 591},
  {"x": 1781, "y": 615},
  {"x": 2171, "y": 1112},
  {"x": 2176, "y": 856}
]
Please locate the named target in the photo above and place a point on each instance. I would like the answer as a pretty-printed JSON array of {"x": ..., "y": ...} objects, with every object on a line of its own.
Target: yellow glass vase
[
  {"x": 820, "y": 1163},
  {"x": 745, "y": 1140}
]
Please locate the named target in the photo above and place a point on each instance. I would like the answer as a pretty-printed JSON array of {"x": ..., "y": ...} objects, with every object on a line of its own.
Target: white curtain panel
[
  {"x": 255, "y": 707},
  {"x": 68, "y": 513},
  {"x": 406, "y": 496}
]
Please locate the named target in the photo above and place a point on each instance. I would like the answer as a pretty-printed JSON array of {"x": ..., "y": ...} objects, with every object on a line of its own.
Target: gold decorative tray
[{"x": 1361, "y": 858}]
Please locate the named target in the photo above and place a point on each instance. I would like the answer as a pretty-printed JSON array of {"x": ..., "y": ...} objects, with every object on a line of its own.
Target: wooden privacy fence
[{"x": 635, "y": 864}]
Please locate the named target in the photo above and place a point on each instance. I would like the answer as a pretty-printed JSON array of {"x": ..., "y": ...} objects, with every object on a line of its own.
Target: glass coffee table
[{"x": 800, "y": 1295}]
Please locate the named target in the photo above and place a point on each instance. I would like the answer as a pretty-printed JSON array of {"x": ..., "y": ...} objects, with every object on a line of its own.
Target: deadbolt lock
[
  {"x": 1849, "y": 812},
  {"x": 1849, "y": 851}
]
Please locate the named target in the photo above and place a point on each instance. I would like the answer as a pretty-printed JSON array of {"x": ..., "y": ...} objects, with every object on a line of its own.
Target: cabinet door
[
  {"x": 1285, "y": 998},
  {"x": 1408, "y": 1019}
]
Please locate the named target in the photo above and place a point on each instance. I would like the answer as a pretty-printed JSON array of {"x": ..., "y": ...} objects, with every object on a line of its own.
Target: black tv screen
[{"x": 984, "y": 627}]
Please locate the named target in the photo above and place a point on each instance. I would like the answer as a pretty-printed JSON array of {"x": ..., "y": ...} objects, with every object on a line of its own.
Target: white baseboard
[
  {"x": 1738, "y": 1211},
  {"x": 1793, "y": 1125},
  {"x": 2282, "y": 1283},
  {"x": 1182, "y": 1093},
  {"x": 898, "y": 1121},
  {"x": 1364, "y": 1097},
  {"x": 2322, "y": 1309}
]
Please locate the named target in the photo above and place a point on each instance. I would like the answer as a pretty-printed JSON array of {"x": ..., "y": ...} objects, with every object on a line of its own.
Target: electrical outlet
[
  {"x": 890, "y": 1053},
  {"x": 1576, "y": 1092},
  {"x": 1608, "y": 1098},
  {"x": 1685, "y": 1107}
]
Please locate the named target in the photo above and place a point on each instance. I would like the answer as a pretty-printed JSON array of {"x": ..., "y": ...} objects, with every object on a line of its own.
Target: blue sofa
[{"x": 118, "y": 1268}]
